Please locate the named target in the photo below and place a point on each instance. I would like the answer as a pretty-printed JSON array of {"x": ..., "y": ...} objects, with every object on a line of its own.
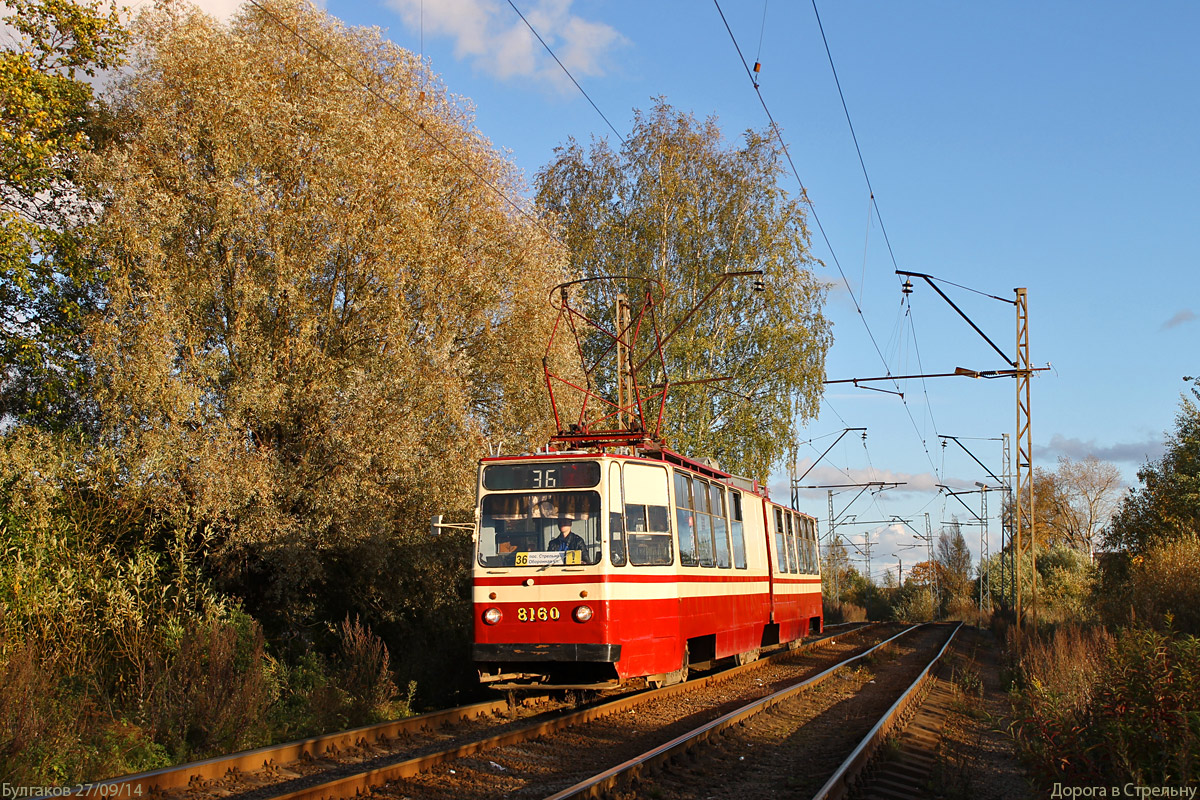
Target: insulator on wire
[{"x": 757, "y": 67}]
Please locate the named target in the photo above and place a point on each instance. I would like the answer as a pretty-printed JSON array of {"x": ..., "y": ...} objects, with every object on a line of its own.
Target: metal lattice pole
[
  {"x": 833, "y": 540},
  {"x": 1025, "y": 520},
  {"x": 985, "y": 589},
  {"x": 933, "y": 590}
]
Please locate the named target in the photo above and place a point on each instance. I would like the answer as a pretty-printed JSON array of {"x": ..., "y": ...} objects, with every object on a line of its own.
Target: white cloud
[
  {"x": 491, "y": 35},
  {"x": 1181, "y": 317},
  {"x": 1126, "y": 452},
  {"x": 221, "y": 9},
  {"x": 826, "y": 475}
]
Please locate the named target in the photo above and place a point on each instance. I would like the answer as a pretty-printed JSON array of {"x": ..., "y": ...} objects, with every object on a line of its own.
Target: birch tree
[
  {"x": 676, "y": 204},
  {"x": 1083, "y": 497}
]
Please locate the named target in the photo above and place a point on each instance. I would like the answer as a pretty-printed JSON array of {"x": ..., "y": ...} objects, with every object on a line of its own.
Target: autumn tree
[
  {"x": 49, "y": 121},
  {"x": 836, "y": 569},
  {"x": 924, "y": 574},
  {"x": 1154, "y": 537},
  {"x": 323, "y": 305},
  {"x": 953, "y": 559},
  {"x": 677, "y": 205},
  {"x": 1166, "y": 505},
  {"x": 1075, "y": 502}
]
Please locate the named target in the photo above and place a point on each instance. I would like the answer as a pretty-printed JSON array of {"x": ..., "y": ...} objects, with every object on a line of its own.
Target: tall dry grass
[
  {"x": 837, "y": 613},
  {"x": 1098, "y": 707},
  {"x": 1166, "y": 593}
]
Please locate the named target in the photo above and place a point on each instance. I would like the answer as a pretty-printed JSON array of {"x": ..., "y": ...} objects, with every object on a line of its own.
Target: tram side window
[
  {"x": 735, "y": 529},
  {"x": 816, "y": 545},
  {"x": 720, "y": 530},
  {"x": 616, "y": 517},
  {"x": 704, "y": 528},
  {"x": 789, "y": 542},
  {"x": 647, "y": 516},
  {"x": 781, "y": 564},
  {"x": 793, "y": 540},
  {"x": 811, "y": 541},
  {"x": 803, "y": 545},
  {"x": 793, "y": 553},
  {"x": 685, "y": 520}
]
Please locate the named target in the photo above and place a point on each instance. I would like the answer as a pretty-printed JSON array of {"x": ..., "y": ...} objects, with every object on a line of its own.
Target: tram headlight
[
  {"x": 492, "y": 616},
  {"x": 582, "y": 613}
]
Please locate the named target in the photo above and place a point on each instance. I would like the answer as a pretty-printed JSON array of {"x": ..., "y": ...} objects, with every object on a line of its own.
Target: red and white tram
[{"x": 597, "y": 570}]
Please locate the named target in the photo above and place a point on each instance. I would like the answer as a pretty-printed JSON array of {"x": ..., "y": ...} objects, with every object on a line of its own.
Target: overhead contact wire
[
  {"x": 567, "y": 71},
  {"x": 804, "y": 192},
  {"x": 879, "y": 216},
  {"x": 816, "y": 218},
  {"x": 845, "y": 108}
]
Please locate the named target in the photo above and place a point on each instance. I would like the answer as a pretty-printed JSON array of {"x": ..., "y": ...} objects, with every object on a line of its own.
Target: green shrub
[
  {"x": 960, "y": 607},
  {"x": 915, "y": 604},
  {"x": 212, "y": 691},
  {"x": 1095, "y": 709}
]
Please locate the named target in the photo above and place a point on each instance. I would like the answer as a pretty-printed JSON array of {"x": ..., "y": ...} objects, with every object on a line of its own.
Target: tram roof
[{"x": 659, "y": 454}]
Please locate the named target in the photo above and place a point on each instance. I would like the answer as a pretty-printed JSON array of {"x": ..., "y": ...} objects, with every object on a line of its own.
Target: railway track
[
  {"x": 779, "y": 745},
  {"x": 346, "y": 763},
  {"x": 277, "y": 763},
  {"x": 917, "y": 717}
]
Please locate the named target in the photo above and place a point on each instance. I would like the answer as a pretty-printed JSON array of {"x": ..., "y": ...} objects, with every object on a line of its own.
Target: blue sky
[{"x": 1049, "y": 145}]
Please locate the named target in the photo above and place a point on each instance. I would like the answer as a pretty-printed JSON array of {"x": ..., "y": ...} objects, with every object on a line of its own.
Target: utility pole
[
  {"x": 833, "y": 536},
  {"x": 867, "y": 536},
  {"x": 985, "y": 589},
  {"x": 933, "y": 590},
  {"x": 1026, "y": 523},
  {"x": 795, "y": 481},
  {"x": 1006, "y": 529},
  {"x": 626, "y": 393},
  {"x": 829, "y": 544},
  {"x": 1023, "y": 369}
]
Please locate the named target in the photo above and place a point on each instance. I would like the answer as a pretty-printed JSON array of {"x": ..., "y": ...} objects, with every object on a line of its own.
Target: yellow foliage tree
[{"x": 324, "y": 303}]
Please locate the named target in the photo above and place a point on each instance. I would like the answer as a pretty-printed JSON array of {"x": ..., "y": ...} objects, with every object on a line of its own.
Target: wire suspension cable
[
  {"x": 816, "y": 218},
  {"x": 762, "y": 29},
  {"x": 567, "y": 71},
  {"x": 853, "y": 135},
  {"x": 921, "y": 368}
]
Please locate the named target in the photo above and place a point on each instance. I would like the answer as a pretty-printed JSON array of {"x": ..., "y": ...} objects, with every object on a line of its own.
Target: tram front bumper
[{"x": 602, "y": 653}]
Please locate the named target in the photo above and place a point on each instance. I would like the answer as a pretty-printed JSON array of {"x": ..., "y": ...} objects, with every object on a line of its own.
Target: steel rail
[
  {"x": 635, "y": 767},
  {"x": 141, "y": 784},
  {"x": 354, "y": 784},
  {"x": 844, "y": 776},
  {"x": 132, "y": 787}
]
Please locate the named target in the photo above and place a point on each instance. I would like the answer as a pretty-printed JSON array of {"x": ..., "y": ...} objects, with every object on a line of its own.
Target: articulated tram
[{"x": 599, "y": 570}]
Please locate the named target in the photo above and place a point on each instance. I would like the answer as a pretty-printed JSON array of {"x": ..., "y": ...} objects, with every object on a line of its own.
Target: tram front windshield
[{"x": 540, "y": 529}]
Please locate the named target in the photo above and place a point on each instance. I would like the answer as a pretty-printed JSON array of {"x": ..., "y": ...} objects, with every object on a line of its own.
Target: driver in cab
[{"x": 566, "y": 540}]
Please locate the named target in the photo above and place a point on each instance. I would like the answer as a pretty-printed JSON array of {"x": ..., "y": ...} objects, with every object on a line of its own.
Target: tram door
[{"x": 648, "y": 611}]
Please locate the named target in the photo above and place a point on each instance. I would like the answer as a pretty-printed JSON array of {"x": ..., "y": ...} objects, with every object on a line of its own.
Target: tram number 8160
[{"x": 541, "y": 614}]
